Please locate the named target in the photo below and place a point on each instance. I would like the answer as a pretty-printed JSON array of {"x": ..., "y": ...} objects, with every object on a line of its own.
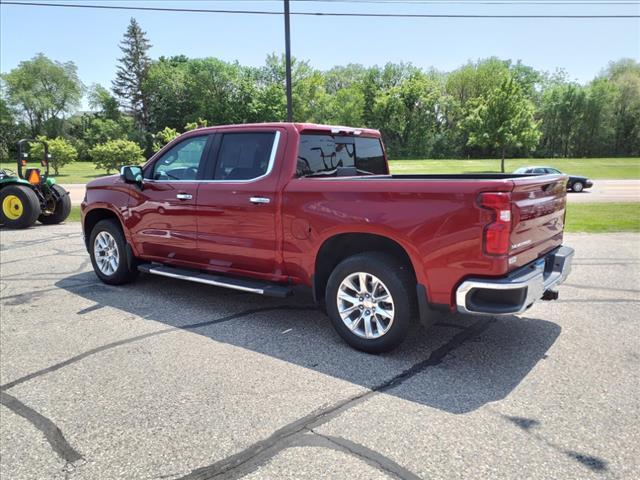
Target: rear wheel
[
  {"x": 20, "y": 206},
  {"x": 370, "y": 300},
  {"x": 59, "y": 207},
  {"x": 108, "y": 252},
  {"x": 577, "y": 187}
]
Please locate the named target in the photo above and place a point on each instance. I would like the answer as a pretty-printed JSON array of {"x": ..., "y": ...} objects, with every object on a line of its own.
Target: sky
[{"x": 90, "y": 38}]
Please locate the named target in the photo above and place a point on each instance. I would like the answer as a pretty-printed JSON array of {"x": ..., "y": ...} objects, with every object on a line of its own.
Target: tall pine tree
[{"x": 131, "y": 73}]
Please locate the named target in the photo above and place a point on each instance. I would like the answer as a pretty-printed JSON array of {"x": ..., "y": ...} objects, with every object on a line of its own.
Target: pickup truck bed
[
  {"x": 436, "y": 219},
  {"x": 314, "y": 205}
]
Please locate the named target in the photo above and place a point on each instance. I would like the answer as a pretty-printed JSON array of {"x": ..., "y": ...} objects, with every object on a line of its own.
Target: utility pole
[{"x": 287, "y": 50}]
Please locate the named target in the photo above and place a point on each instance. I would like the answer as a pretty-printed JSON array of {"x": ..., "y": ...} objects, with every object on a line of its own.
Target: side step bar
[{"x": 254, "y": 286}]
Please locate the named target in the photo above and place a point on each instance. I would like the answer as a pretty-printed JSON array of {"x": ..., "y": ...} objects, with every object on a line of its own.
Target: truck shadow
[{"x": 482, "y": 368}]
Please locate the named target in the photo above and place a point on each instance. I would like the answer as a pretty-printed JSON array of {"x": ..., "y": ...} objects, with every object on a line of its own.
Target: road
[
  {"x": 608, "y": 191},
  {"x": 166, "y": 379},
  {"x": 602, "y": 191}
]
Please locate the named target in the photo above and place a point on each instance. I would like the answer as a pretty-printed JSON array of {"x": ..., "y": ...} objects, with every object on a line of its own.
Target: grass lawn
[
  {"x": 597, "y": 168},
  {"x": 603, "y": 217},
  {"x": 74, "y": 216},
  {"x": 77, "y": 172}
]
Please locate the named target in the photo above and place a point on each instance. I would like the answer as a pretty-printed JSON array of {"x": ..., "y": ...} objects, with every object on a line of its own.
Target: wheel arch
[
  {"x": 340, "y": 246},
  {"x": 91, "y": 218}
]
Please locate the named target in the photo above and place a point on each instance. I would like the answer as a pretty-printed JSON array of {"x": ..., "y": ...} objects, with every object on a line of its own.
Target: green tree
[
  {"x": 89, "y": 129},
  {"x": 561, "y": 108},
  {"x": 595, "y": 131},
  {"x": 408, "y": 115},
  {"x": 61, "y": 151},
  {"x": 344, "y": 87},
  {"x": 43, "y": 91},
  {"x": 132, "y": 72},
  {"x": 502, "y": 120},
  {"x": 114, "y": 154},
  {"x": 103, "y": 103},
  {"x": 168, "y": 85},
  {"x": 184, "y": 90},
  {"x": 11, "y": 130},
  {"x": 478, "y": 79},
  {"x": 625, "y": 76}
]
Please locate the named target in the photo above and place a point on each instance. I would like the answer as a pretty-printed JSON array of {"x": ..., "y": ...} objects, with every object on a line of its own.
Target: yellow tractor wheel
[
  {"x": 12, "y": 207},
  {"x": 20, "y": 206}
]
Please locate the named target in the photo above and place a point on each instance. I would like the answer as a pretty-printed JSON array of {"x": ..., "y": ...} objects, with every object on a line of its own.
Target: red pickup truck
[{"x": 262, "y": 208}]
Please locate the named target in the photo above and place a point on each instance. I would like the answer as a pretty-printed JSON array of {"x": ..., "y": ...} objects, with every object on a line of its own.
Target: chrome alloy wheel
[
  {"x": 105, "y": 251},
  {"x": 365, "y": 305}
]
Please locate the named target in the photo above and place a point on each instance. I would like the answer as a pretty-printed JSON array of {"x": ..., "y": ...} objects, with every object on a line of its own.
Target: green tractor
[{"x": 31, "y": 194}]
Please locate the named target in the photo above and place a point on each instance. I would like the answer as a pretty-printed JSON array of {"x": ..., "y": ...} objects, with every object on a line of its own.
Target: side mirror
[{"x": 131, "y": 174}]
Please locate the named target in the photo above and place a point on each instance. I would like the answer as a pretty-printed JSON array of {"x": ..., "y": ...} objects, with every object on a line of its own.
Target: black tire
[
  {"x": 577, "y": 187},
  {"x": 400, "y": 283},
  {"x": 61, "y": 207},
  {"x": 123, "y": 273},
  {"x": 27, "y": 201}
]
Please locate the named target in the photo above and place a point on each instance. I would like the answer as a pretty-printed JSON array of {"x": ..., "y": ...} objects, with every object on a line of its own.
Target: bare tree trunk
[{"x": 504, "y": 148}]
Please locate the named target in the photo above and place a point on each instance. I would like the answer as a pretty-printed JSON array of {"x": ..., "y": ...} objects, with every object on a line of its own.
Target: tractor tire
[
  {"x": 20, "y": 206},
  {"x": 61, "y": 208}
]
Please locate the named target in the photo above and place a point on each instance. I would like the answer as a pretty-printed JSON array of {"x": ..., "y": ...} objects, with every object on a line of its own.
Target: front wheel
[
  {"x": 370, "y": 300},
  {"x": 577, "y": 187},
  {"x": 108, "y": 252}
]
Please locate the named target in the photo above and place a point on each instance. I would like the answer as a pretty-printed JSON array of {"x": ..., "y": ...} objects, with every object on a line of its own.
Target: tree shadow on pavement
[{"x": 456, "y": 366}]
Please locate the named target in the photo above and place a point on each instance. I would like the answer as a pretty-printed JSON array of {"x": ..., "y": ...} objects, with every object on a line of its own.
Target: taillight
[{"x": 497, "y": 233}]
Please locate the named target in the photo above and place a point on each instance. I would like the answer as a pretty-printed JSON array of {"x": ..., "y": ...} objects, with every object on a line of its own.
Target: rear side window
[
  {"x": 327, "y": 155},
  {"x": 244, "y": 156}
]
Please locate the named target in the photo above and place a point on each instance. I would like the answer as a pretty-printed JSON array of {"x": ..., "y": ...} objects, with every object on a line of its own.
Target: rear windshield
[{"x": 327, "y": 155}]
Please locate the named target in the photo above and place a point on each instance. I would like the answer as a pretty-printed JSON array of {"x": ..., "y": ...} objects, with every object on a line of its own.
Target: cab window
[
  {"x": 244, "y": 156},
  {"x": 328, "y": 155},
  {"x": 181, "y": 162}
]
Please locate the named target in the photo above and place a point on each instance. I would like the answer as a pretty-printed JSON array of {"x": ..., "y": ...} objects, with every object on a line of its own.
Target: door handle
[
  {"x": 184, "y": 196},
  {"x": 258, "y": 200}
]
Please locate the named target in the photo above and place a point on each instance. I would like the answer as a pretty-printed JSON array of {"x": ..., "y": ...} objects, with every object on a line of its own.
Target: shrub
[
  {"x": 62, "y": 152},
  {"x": 200, "y": 123},
  {"x": 114, "y": 154},
  {"x": 163, "y": 137}
]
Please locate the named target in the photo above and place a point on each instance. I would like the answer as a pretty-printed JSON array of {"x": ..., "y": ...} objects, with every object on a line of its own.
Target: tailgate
[{"x": 538, "y": 210}]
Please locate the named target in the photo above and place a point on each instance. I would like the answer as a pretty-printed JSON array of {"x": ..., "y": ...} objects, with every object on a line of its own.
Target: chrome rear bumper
[{"x": 516, "y": 292}]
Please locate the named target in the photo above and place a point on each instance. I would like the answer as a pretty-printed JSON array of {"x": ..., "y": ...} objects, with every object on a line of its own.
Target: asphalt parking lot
[{"x": 166, "y": 379}]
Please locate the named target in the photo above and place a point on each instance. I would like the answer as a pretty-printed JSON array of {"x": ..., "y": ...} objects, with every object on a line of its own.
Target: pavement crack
[
  {"x": 50, "y": 430},
  {"x": 370, "y": 457},
  {"x": 263, "y": 450},
  {"x": 137, "y": 338}
]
